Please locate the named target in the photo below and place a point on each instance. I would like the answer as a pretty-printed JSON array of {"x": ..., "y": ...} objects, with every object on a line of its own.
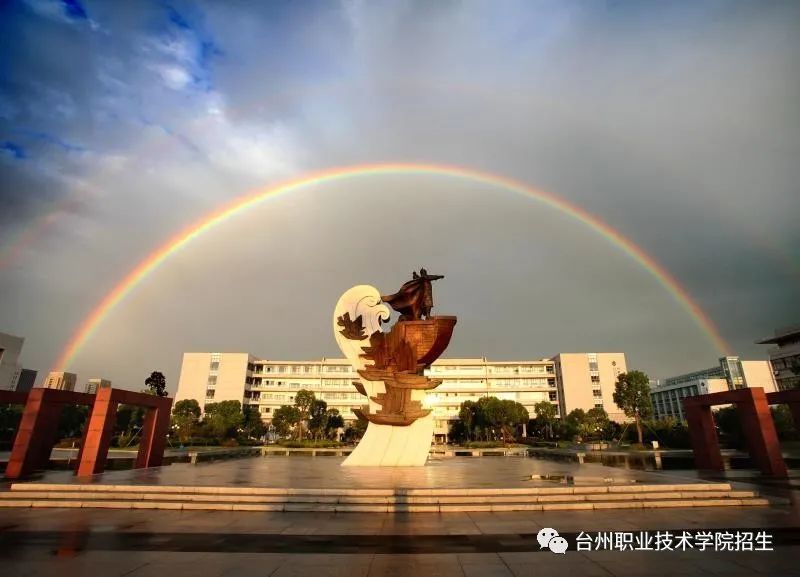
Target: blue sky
[{"x": 121, "y": 123}]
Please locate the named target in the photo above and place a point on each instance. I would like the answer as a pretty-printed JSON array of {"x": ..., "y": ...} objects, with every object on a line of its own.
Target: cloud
[{"x": 674, "y": 123}]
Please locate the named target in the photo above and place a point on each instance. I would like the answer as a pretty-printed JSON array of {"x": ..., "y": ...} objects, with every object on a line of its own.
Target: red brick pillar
[
  {"x": 760, "y": 434},
  {"x": 98, "y": 434},
  {"x": 703, "y": 434},
  {"x": 154, "y": 436},
  {"x": 36, "y": 435}
]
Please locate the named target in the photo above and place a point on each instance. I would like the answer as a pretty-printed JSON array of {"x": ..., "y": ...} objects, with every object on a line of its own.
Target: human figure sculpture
[{"x": 414, "y": 300}]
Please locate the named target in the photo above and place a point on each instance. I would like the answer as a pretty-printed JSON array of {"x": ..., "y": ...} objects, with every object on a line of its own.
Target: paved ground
[
  {"x": 301, "y": 471},
  {"x": 96, "y": 542},
  {"x": 176, "y": 544}
]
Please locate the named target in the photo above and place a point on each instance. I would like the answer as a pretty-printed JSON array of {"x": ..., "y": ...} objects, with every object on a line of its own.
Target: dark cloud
[{"x": 675, "y": 123}]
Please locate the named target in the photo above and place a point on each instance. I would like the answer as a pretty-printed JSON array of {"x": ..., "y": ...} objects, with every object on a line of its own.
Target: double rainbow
[{"x": 241, "y": 204}]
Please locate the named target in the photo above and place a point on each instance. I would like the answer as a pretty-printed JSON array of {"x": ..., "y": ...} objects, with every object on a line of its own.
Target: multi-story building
[
  {"x": 10, "y": 349},
  {"x": 587, "y": 381},
  {"x": 785, "y": 357},
  {"x": 569, "y": 381},
  {"x": 92, "y": 385},
  {"x": 26, "y": 381},
  {"x": 60, "y": 380},
  {"x": 732, "y": 373}
]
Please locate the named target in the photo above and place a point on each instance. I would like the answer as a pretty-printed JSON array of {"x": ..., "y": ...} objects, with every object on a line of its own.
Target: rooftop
[{"x": 782, "y": 335}]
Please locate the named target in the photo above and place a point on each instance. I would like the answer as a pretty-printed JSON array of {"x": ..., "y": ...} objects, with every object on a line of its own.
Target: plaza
[{"x": 141, "y": 542}]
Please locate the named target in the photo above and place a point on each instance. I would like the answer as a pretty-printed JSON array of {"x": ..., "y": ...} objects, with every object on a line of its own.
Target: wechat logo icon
[{"x": 550, "y": 538}]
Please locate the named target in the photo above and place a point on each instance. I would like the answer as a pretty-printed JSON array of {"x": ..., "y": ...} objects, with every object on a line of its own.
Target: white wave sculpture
[{"x": 357, "y": 328}]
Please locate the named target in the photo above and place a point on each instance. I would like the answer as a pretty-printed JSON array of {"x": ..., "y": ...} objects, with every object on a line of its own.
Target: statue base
[{"x": 392, "y": 446}]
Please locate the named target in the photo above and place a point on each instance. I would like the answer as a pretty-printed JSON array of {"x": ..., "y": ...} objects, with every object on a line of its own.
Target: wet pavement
[
  {"x": 174, "y": 544},
  {"x": 302, "y": 471},
  {"x": 139, "y": 543}
]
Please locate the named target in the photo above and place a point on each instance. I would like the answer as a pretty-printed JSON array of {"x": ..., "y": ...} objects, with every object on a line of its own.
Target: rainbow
[{"x": 239, "y": 205}]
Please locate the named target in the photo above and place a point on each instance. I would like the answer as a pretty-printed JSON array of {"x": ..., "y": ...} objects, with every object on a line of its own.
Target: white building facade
[
  {"x": 60, "y": 380},
  {"x": 732, "y": 373},
  {"x": 568, "y": 381},
  {"x": 785, "y": 356},
  {"x": 10, "y": 369}
]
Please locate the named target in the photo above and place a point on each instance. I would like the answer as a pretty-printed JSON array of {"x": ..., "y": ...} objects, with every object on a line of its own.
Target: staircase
[{"x": 632, "y": 496}]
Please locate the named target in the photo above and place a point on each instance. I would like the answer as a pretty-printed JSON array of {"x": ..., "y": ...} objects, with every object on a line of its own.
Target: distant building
[
  {"x": 92, "y": 385},
  {"x": 569, "y": 381},
  {"x": 27, "y": 378},
  {"x": 10, "y": 369},
  {"x": 587, "y": 381},
  {"x": 60, "y": 380},
  {"x": 732, "y": 373},
  {"x": 785, "y": 357}
]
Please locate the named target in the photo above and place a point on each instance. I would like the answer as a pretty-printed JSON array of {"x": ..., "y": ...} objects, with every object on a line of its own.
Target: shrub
[
  {"x": 310, "y": 444},
  {"x": 68, "y": 443}
]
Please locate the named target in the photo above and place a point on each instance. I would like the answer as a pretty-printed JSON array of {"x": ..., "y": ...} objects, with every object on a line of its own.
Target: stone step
[
  {"x": 387, "y": 508},
  {"x": 379, "y": 500},
  {"x": 375, "y": 500},
  {"x": 450, "y": 492}
]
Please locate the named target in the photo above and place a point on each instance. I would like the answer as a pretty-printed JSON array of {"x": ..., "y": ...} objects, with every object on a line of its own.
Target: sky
[{"x": 122, "y": 123}]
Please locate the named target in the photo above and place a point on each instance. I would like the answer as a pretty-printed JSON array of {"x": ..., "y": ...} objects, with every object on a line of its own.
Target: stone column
[
  {"x": 154, "y": 436},
  {"x": 759, "y": 432},
  {"x": 36, "y": 435},
  {"x": 98, "y": 434},
  {"x": 703, "y": 434}
]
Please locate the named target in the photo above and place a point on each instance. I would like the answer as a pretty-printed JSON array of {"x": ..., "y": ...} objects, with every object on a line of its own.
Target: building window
[
  {"x": 551, "y": 382},
  {"x": 598, "y": 405},
  {"x": 597, "y": 393},
  {"x": 212, "y": 380},
  {"x": 553, "y": 396},
  {"x": 209, "y": 393},
  {"x": 266, "y": 410},
  {"x": 595, "y": 378},
  {"x": 214, "y": 366}
]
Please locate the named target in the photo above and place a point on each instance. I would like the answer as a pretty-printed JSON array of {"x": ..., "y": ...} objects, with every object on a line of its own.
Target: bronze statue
[
  {"x": 392, "y": 364},
  {"x": 414, "y": 300}
]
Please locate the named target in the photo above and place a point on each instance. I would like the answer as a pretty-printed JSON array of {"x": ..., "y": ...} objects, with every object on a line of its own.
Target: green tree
[
  {"x": 185, "y": 417},
  {"x": 512, "y": 415},
  {"x": 224, "y": 419},
  {"x": 253, "y": 425},
  {"x": 335, "y": 421},
  {"x": 486, "y": 416},
  {"x": 318, "y": 418},
  {"x": 72, "y": 420},
  {"x": 501, "y": 415},
  {"x": 574, "y": 425},
  {"x": 10, "y": 416},
  {"x": 632, "y": 395},
  {"x": 784, "y": 423},
  {"x": 467, "y": 416},
  {"x": 596, "y": 422},
  {"x": 730, "y": 427},
  {"x": 156, "y": 384},
  {"x": 284, "y": 419},
  {"x": 303, "y": 401},
  {"x": 355, "y": 430},
  {"x": 546, "y": 413}
]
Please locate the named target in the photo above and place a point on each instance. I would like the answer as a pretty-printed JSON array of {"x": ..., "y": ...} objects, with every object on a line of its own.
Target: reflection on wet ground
[
  {"x": 326, "y": 472},
  {"x": 198, "y": 544}
]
